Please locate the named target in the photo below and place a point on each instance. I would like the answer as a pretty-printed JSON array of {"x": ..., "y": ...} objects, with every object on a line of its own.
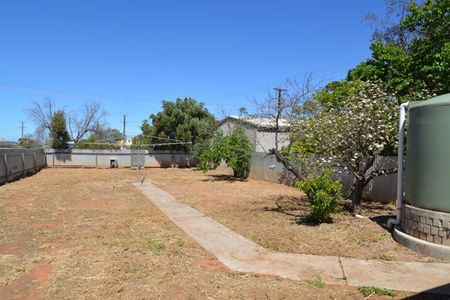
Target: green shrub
[
  {"x": 323, "y": 194},
  {"x": 209, "y": 153},
  {"x": 316, "y": 282},
  {"x": 235, "y": 149},
  {"x": 238, "y": 152}
]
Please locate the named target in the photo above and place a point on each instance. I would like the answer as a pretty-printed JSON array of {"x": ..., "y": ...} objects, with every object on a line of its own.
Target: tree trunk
[
  {"x": 240, "y": 173},
  {"x": 358, "y": 188}
]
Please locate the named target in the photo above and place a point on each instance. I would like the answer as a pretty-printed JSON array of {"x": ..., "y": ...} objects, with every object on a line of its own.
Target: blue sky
[{"x": 130, "y": 55}]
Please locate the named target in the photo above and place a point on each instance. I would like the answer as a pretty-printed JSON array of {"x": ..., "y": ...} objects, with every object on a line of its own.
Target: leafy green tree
[
  {"x": 336, "y": 92},
  {"x": 430, "y": 49},
  {"x": 411, "y": 56},
  {"x": 102, "y": 138},
  {"x": 184, "y": 120},
  {"x": 414, "y": 62},
  {"x": 58, "y": 129},
  {"x": 107, "y": 135},
  {"x": 92, "y": 143},
  {"x": 235, "y": 149}
]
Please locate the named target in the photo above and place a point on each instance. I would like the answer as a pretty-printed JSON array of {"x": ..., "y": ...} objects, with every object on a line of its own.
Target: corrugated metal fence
[
  {"x": 382, "y": 188},
  {"x": 16, "y": 163}
]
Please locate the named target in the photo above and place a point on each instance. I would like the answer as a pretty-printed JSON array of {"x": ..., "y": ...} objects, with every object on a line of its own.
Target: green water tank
[{"x": 428, "y": 154}]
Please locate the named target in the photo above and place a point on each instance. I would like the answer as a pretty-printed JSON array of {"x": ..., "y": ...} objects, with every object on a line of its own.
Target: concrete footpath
[{"x": 242, "y": 255}]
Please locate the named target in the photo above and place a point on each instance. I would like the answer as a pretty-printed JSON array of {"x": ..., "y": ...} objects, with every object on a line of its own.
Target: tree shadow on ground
[
  {"x": 298, "y": 209},
  {"x": 374, "y": 211},
  {"x": 221, "y": 177},
  {"x": 382, "y": 221},
  {"x": 295, "y": 207}
]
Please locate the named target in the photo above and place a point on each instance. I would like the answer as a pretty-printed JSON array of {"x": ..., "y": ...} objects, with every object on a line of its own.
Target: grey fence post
[
  {"x": 24, "y": 171},
  {"x": 35, "y": 160},
  {"x": 6, "y": 166}
]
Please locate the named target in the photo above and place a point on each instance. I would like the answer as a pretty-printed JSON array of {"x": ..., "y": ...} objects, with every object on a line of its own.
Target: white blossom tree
[{"x": 350, "y": 137}]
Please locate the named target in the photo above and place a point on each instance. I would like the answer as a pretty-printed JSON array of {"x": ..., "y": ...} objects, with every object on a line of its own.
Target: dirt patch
[
  {"x": 27, "y": 286},
  {"x": 84, "y": 233},
  {"x": 212, "y": 265},
  {"x": 41, "y": 273},
  {"x": 11, "y": 249}
]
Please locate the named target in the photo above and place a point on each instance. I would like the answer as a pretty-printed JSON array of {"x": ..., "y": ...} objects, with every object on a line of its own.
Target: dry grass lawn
[
  {"x": 82, "y": 233},
  {"x": 272, "y": 215}
]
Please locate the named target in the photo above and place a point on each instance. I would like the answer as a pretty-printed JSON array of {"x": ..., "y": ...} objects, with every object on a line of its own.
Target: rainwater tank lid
[{"x": 435, "y": 101}]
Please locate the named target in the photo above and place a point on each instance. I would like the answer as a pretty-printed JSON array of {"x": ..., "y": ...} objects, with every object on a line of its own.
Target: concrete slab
[
  {"x": 242, "y": 255},
  {"x": 404, "y": 276}
]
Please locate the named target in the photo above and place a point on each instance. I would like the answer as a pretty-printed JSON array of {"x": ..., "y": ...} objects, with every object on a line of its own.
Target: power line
[
  {"x": 72, "y": 94},
  {"x": 76, "y": 94},
  {"x": 340, "y": 65},
  {"x": 161, "y": 138}
]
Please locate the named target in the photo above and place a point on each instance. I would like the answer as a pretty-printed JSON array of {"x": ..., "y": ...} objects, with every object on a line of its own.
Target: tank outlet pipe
[{"x": 401, "y": 136}]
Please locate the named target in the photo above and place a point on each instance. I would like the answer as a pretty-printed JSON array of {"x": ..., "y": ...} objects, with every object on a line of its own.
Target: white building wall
[{"x": 262, "y": 140}]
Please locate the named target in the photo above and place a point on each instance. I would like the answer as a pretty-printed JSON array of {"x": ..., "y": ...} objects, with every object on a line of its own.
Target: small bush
[
  {"x": 323, "y": 194},
  {"x": 235, "y": 149},
  {"x": 208, "y": 153},
  {"x": 156, "y": 248},
  {"x": 316, "y": 282},
  {"x": 238, "y": 152},
  {"x": 372, "y": 290}
]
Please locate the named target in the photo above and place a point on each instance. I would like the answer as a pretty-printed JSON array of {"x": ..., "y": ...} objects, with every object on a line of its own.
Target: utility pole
[
  {"x": 22, "y": 127},
  {"x": 278, "y": 115},
  {"x": 124, "y": 136}
]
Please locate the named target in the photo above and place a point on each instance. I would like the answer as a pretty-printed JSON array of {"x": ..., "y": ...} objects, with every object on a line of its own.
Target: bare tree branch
[
  {"x": 287, "y": 164},
  {"x": 42, "y": 115},
  {"x": 89, "y": 120},
  {"x": 298, "y": 92},
  {"x": 377, "y": 173},
  {"x": 295, "y": 103}
]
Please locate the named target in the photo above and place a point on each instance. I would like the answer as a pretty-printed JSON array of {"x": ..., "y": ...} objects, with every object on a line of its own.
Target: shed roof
[{"x": 260, "y": 122}]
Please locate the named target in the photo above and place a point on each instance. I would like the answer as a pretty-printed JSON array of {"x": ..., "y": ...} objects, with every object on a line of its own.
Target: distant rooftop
[
  {"x": 262, "y": 122},
  {"x": 4, "y": 142}
]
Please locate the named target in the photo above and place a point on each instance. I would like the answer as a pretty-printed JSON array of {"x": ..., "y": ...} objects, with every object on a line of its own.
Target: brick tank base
[{"x": 427, "y": 225}]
